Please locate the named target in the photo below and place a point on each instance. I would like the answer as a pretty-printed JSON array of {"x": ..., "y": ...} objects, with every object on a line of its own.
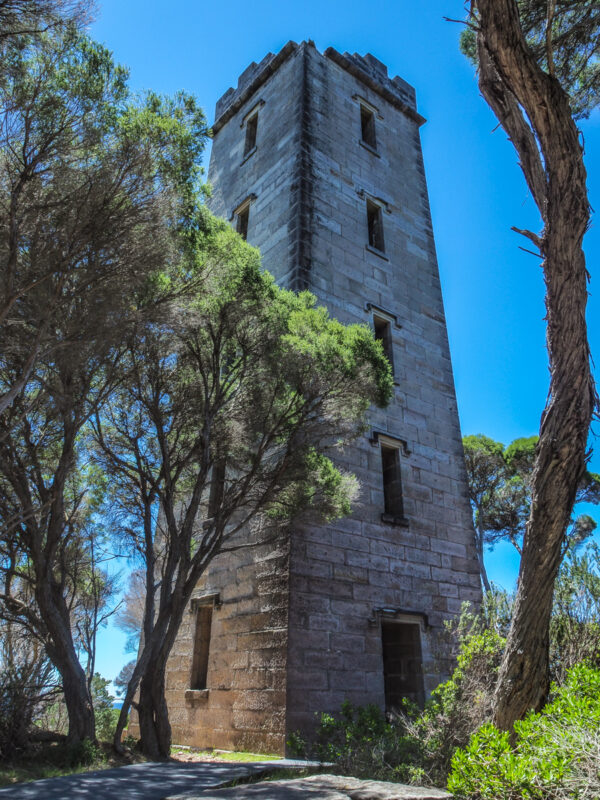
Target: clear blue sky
[{"x": 493, "y": 292}]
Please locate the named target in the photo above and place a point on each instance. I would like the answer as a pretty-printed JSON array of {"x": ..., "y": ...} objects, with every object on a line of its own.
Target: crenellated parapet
[{"x": 367, "y": 69}]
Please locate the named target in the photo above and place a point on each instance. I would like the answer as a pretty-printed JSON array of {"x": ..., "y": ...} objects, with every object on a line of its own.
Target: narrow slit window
[
  {"x": 375, "y": 225},
  {"x": 392, "y": 482},
  {"x": 242, "y": 218},
  {"x": 367, "y": 127},
  {"x": 251, "y": 129},
  {"x": 217, "y": 487},
  {"x": 402, "y": 664},
  {"x": 383, "y": 333},
  {"x": 201, "y": 647}
]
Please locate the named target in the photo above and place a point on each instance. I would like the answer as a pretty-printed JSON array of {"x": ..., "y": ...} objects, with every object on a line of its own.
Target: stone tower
[{"x": 317, "y": 161}]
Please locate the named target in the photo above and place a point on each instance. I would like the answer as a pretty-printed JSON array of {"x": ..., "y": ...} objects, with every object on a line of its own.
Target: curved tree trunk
[
  {"x": 80, "y": 710},
  {"x": 534, "y": 111},
  {"x": 153, "y": 714},
  {"x": 61, "y": 651}
]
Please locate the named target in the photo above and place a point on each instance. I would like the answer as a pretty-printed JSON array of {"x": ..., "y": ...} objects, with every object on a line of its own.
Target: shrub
[
  {"x": 106, "y": 723},
  {"x": 17, "y": 706},
  {"x": 105, "y": 715},
  {"x": 26, "y": 687},
  {"x": 556, "y": 752},
  {"x": 83, "y": 753},
  {"x": 464, "y": 702},
  {"x": 575, "y": 623},
  {"x": 360, "y": 741},
  {"x": 460, "y": 705}
]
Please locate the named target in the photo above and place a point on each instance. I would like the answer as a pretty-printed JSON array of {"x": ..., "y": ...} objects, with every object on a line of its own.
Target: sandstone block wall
[
  {"x": 243, "y": 707},
  {"x": 340, "y": 574}
]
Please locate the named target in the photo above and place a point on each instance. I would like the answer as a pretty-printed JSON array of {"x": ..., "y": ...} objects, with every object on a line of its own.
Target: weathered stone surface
[{"x": 319, "y": 787}]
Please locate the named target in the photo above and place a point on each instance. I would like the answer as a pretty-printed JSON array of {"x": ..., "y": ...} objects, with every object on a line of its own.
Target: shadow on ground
[{"x": 149, "y": 781}]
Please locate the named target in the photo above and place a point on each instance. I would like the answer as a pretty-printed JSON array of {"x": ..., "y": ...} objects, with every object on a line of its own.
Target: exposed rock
[{"x": 319, "y": 787}]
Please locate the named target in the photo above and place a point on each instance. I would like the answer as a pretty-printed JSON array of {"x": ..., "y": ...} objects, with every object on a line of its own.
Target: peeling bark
[
  {"x": 480, "y": 559},
  {"x": 534, "y": 111}
]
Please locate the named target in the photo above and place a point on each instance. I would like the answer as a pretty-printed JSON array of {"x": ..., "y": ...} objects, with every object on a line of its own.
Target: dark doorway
[{"x": 402, "y": 663}]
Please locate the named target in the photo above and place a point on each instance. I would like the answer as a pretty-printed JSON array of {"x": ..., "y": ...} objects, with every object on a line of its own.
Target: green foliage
[
  {"x": 174, "y": 130},
  {"x": 320, "y": 485},
  {"x": 79, "y": 76},
  {"x": 463, "y": 702},
  {"x": 106, "y": 723},
  {"x": 53, "y": 760},
  {"x": 519, "y": 455},
  {"x": 360, "y": 741},
  {"x": 500, "y": 490},
  {"x": 575, "y": 622},
  {"x": 102, "y": 196},
  {"x": 473, "y": 679},
  {"x": 556, "y": 752},
  {"x": 234, "y": 394},
  {"x": 105, "y": 715},
  {"x": 130, "y": 741},
  {"x": 263, "y": 365}
]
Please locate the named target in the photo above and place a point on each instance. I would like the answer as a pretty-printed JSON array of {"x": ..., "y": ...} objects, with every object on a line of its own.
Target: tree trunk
[
  {"x": 153, "y": 713},
  {"x": 155, "y": 729},
  {"x": 82, "y": 723},
  {"x": 482, "y": 570},
  {"x": 534, "y": 111},
  {"x": 61, "y": 651}
]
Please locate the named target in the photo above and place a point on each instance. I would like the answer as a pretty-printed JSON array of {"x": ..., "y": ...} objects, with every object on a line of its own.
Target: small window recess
[
  {"x": 250, "y": 141},
  {"x": 202, "y": 608},
  {"x": 212, "y": 599},
  {"x": 217, "y": 488},
  {"x": 368, "y": 137},
  {"x": 383, "y": 322},
  {"x": 251, "y": 111},
  {"x": 240, "y": 216},
  {"x": 250, "y": 120},
  {"x": 383, "y": 333},
  {"x": 386, "y": 205},
  {"x": 377, "y": 437},
  {"x": 391, "y": 474},
  {"x": 375, "y": 227}
]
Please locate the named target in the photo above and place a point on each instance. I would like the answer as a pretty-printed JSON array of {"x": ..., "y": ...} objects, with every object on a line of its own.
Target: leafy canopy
[{"x": 500, "y": 489}]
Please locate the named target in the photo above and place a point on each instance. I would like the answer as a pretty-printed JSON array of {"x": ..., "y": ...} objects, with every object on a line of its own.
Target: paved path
[{"x": 149, "y": 781}]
